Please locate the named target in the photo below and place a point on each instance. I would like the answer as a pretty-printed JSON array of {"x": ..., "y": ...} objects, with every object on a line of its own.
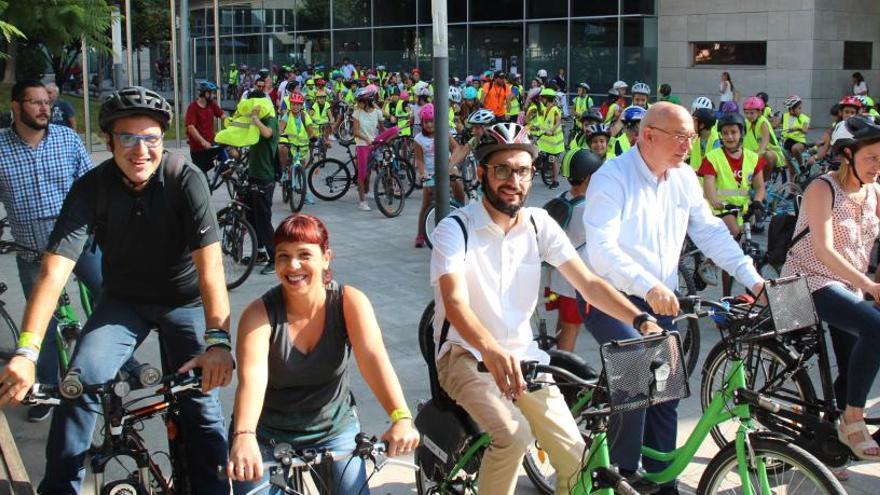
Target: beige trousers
[{"x": 512, "y": 425}]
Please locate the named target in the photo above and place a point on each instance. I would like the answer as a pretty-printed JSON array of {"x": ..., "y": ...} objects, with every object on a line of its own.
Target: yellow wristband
[
  {"x": 401, "y": 413},
  {"x": 29, "y": 339}
]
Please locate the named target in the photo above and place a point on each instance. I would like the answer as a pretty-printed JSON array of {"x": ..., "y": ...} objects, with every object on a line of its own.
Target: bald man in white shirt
[{"x": 639, "y": 207}]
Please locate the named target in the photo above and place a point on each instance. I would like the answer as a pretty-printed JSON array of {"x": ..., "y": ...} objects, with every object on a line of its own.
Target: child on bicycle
[
  {"x": 298, "y": 129},
  {"x": 795, "y": 124},
  {"x": 760, "y": 138},
  {"x": 424, "y": 156}
]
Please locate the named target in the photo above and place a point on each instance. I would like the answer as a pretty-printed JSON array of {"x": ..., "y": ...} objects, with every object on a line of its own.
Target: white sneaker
[
  {"x": 332, "y": 137},
  {"x": 363, "y": 206},
  {"x": 709, "y": 273},
  {"x": 369, "y": 196}
]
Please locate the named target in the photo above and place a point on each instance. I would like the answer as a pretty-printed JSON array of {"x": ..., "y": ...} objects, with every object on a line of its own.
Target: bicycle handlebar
[
  {"x": 72, "y": 388},
  {"x": 530, "y": 370}
]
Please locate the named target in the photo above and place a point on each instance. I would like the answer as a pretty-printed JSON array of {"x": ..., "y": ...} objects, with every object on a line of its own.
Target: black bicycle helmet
[
  {"x": 850, "y": 132},
  {"x": 705, "y": 117},
  {"x": 504, "y": 136},
  {"x": 581, "y": 164},
  {"x": 764, "y": 96},
  {"x": 134, "y": 100},
  {"x": 732, "y": 119}
]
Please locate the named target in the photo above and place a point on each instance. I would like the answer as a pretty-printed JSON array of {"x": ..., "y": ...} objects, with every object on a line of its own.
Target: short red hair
[{"x": 301, "y": 227}]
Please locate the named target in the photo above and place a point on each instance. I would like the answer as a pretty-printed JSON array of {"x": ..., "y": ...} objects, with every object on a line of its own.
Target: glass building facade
[{"x": 598, "y": 41}]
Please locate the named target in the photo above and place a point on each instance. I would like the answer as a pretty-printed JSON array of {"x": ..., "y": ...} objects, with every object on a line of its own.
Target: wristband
[
  {"x": 640, "y": 320},
  {"x": 243, "y": 432},
  {"x": 400, "y": 413},
  {"x": 218, "y": 338},
  {"x": 28, "y": 353},
  {"x": 29, "y": 339}
]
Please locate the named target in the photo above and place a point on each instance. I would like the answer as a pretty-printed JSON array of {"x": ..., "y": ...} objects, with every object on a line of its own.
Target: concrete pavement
[{"x": 374, "y": 254}]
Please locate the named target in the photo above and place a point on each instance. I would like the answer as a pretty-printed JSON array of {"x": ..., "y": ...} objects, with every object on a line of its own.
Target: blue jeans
[
  {"x": 110, "y": 337},
  {"x": 88, "y": 271},
  {"x": 348, "y": 477},
  {"x": 657, "y": 426},
  {"x": 855, "y": 324}
]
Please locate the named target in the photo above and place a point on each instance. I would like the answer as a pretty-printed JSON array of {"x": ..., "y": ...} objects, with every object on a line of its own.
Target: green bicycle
[{"x": 636, "y": 374}]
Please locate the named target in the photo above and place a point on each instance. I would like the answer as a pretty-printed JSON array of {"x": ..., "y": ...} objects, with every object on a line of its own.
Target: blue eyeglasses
[{"x": 131, "y": 140}]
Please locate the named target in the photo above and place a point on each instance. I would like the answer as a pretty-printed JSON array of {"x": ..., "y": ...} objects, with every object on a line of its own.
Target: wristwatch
[{"x": 640, "y": 320}]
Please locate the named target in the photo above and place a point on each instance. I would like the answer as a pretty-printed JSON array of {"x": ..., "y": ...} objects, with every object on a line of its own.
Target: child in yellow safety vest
[
  {"x": 551, "y": 140},
  {"x": 630, "y": 120},
  {"x": 730, "y": 175},
  {"x": 295, "y": 133},
  {"x": 795, "y": 124},
  {"x": 759, "y": 135},
  {"x": 582, "y": 103},
  {"x": 322, "y": 116}
]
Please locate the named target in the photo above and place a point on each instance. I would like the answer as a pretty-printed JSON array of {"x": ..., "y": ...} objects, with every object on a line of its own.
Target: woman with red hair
[{"x": 293, "y": 348}]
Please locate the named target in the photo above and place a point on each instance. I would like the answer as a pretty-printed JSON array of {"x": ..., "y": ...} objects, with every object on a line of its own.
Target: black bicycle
[
  {"x": 123, "y": 424},
  {"x": 238, "y": 239}
]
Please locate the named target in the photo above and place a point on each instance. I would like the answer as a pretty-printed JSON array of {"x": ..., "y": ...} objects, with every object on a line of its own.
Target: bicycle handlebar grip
[{"x": 71, "y": 386}]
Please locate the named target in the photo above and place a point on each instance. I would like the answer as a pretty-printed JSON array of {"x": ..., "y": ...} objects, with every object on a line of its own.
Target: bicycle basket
[
  {"x": 791, "y": 304},
  {"x": 643, "y": 372}
]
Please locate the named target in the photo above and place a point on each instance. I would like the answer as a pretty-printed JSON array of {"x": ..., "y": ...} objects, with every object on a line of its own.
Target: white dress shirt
[
  {"x": 501, "y": 272},
  {"x": 636, "y": 224}
]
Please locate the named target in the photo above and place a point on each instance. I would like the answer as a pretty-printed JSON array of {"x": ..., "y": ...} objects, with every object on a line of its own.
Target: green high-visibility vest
[{"x": 732, "y": 191}]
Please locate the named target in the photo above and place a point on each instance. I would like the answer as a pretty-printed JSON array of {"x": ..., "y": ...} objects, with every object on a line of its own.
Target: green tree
[
  {"x": 57, "y": 27},
  {"x": 7, "y": 30}
]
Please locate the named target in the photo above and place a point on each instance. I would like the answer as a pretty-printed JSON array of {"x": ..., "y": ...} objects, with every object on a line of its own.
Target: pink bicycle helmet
[
  {"x": 404, "y": 95},
  {"x": 753, "y": 103},
  {"x": 427, "y": 112}
]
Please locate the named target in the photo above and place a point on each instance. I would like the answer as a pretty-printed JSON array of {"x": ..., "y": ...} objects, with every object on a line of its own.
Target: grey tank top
[{"x": 308, "y": 396}]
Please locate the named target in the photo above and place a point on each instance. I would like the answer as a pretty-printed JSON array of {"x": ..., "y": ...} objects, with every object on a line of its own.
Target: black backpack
[
  {"x": 561, "y": 208},
  {"x": 780, "y": 233}
]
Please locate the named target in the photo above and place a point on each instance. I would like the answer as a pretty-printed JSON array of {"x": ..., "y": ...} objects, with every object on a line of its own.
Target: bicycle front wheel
[
  {"x": 8, "y": 335},
  {"x": 388, "y": 192},
  {"x": 238, "y": 242},
  {"x": 297, "y": 189},
  {"x": 329, "y": 179},
  {"x": 786, "y": 468}
]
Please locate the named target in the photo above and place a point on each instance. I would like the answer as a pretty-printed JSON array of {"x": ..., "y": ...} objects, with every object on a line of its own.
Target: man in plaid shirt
[{"x": 39, "y": 162}]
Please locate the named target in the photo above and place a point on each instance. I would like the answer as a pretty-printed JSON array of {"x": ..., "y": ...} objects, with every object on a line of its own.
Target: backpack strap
[
  {"x": 444, "y": 330},
  {"x": 806, "y": 230}
]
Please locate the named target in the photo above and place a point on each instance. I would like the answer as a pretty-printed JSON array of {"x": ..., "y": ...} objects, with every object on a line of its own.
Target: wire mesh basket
[
  {"x": 791, "y": 304},
  {"x": 645, "y": 371}
]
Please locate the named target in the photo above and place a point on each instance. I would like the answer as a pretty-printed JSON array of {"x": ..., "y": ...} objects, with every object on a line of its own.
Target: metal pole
[
  {"x": 86, "y": 110},
  {"x": 185, "y": 53},
  {"x": 174, "y": 71},
  {"x": 441, "y": 107},
  {"x": 217, "y": 47},
  {"x": 128, "y": 45}
]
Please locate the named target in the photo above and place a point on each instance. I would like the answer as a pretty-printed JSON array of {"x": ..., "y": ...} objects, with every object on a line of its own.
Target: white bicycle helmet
[
  {"x": 542, "y": 73},
  {"x": 454, "y": 94},
  {"x": 422, "y": 89},
  {"x": 792, "y": 101},
  {"x": 641, "y": 88},
  {"x": 505, "y": 136},
  {"x": 481, "y": 117},
  {"x": 701, "y": 102},
  {"x": 597, "y": 129},
  {"x": 368, "y": 91},
  {"x": 620, "y": 85}
]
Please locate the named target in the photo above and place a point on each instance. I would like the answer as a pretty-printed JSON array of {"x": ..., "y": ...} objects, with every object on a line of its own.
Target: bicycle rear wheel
[
  {"x": 297, "y": 189},
  {"x": 388, "y": 192},
  {"x": 329, "y": 179},
  {"x": 8, "y": 333},
  {"x": 238, "y": 241},
  {"x": 788, "y": 469}
]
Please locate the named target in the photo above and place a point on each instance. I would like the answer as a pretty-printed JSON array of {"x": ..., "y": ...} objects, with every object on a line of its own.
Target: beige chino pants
[{"x": 512, "y": 425}]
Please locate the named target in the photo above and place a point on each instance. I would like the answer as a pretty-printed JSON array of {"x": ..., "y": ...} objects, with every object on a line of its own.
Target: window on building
[
  {"x": 545, "y": 48},
  {"x": 304, "y": 48},
  {"x": 312, "y": 14},
  {"x": 354, "y": 44},
  {"x": 351, "y": 13},
  {"x": 394, "y": 12},
  {"x": 584, "y": 8},
  {"x": 647, "y": 7},
  {"x": 197, "y": 23},
  {"x": 638, "y": 55},
  {"x": 497, "y": 10},
  {"x": 730, "y": 53},
  {"x": 594, "y": 53},
  {"x": 545, "y": 9},
  {"x": 457, "y": 51},
  {"x": 496, "y": 47},
  {"x": 857, "y": 55},
  {"x": 395, "y": 48},
  {"x": 456, "y": 11}
]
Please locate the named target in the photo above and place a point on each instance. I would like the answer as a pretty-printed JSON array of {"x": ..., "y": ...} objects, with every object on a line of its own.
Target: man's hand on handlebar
[
  {"x": 16, "y": 380},
  {"x": 216, "y": 364},
  {"x": 662, "y": 300},
  {"x": 505, "y": 369}
]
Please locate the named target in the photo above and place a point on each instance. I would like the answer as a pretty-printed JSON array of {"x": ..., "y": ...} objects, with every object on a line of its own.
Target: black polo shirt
[{"x": 147, "y": 237}]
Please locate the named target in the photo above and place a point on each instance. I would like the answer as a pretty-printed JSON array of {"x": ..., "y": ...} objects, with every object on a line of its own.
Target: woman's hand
[
  {"x": 872, "y": 289},
  {"x": 245, "y": 459},
  {"x": 402, "y": 437}
]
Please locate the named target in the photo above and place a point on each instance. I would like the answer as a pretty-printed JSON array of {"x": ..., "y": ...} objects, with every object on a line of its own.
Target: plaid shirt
[{"x": 34, "y": 182}]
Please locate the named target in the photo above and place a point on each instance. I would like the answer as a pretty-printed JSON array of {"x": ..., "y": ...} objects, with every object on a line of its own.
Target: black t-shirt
[{"x": 147, "y": 237}]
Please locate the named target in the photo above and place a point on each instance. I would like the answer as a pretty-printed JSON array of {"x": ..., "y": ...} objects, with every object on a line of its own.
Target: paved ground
[{"x": 376, "y": 255}]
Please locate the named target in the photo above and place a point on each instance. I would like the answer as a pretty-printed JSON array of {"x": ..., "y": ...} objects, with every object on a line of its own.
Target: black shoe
[
  {"x": 639, "y": 483},
  {"x": 268, "y": 269},
  {"x": 554, "y": 185},
  {"x": 39, "y": 413},
  {"x": 262, "y": 257},
  {"x": 667, "y": 490}
]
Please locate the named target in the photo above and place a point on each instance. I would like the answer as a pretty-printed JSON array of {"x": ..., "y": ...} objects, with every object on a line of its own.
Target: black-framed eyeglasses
[
  {"x": 680, "y": 138},
  {"x": 503, "y": 172}
]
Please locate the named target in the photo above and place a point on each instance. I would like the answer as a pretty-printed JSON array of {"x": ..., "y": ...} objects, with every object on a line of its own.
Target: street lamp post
[{"x": 441, "y": 108}]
